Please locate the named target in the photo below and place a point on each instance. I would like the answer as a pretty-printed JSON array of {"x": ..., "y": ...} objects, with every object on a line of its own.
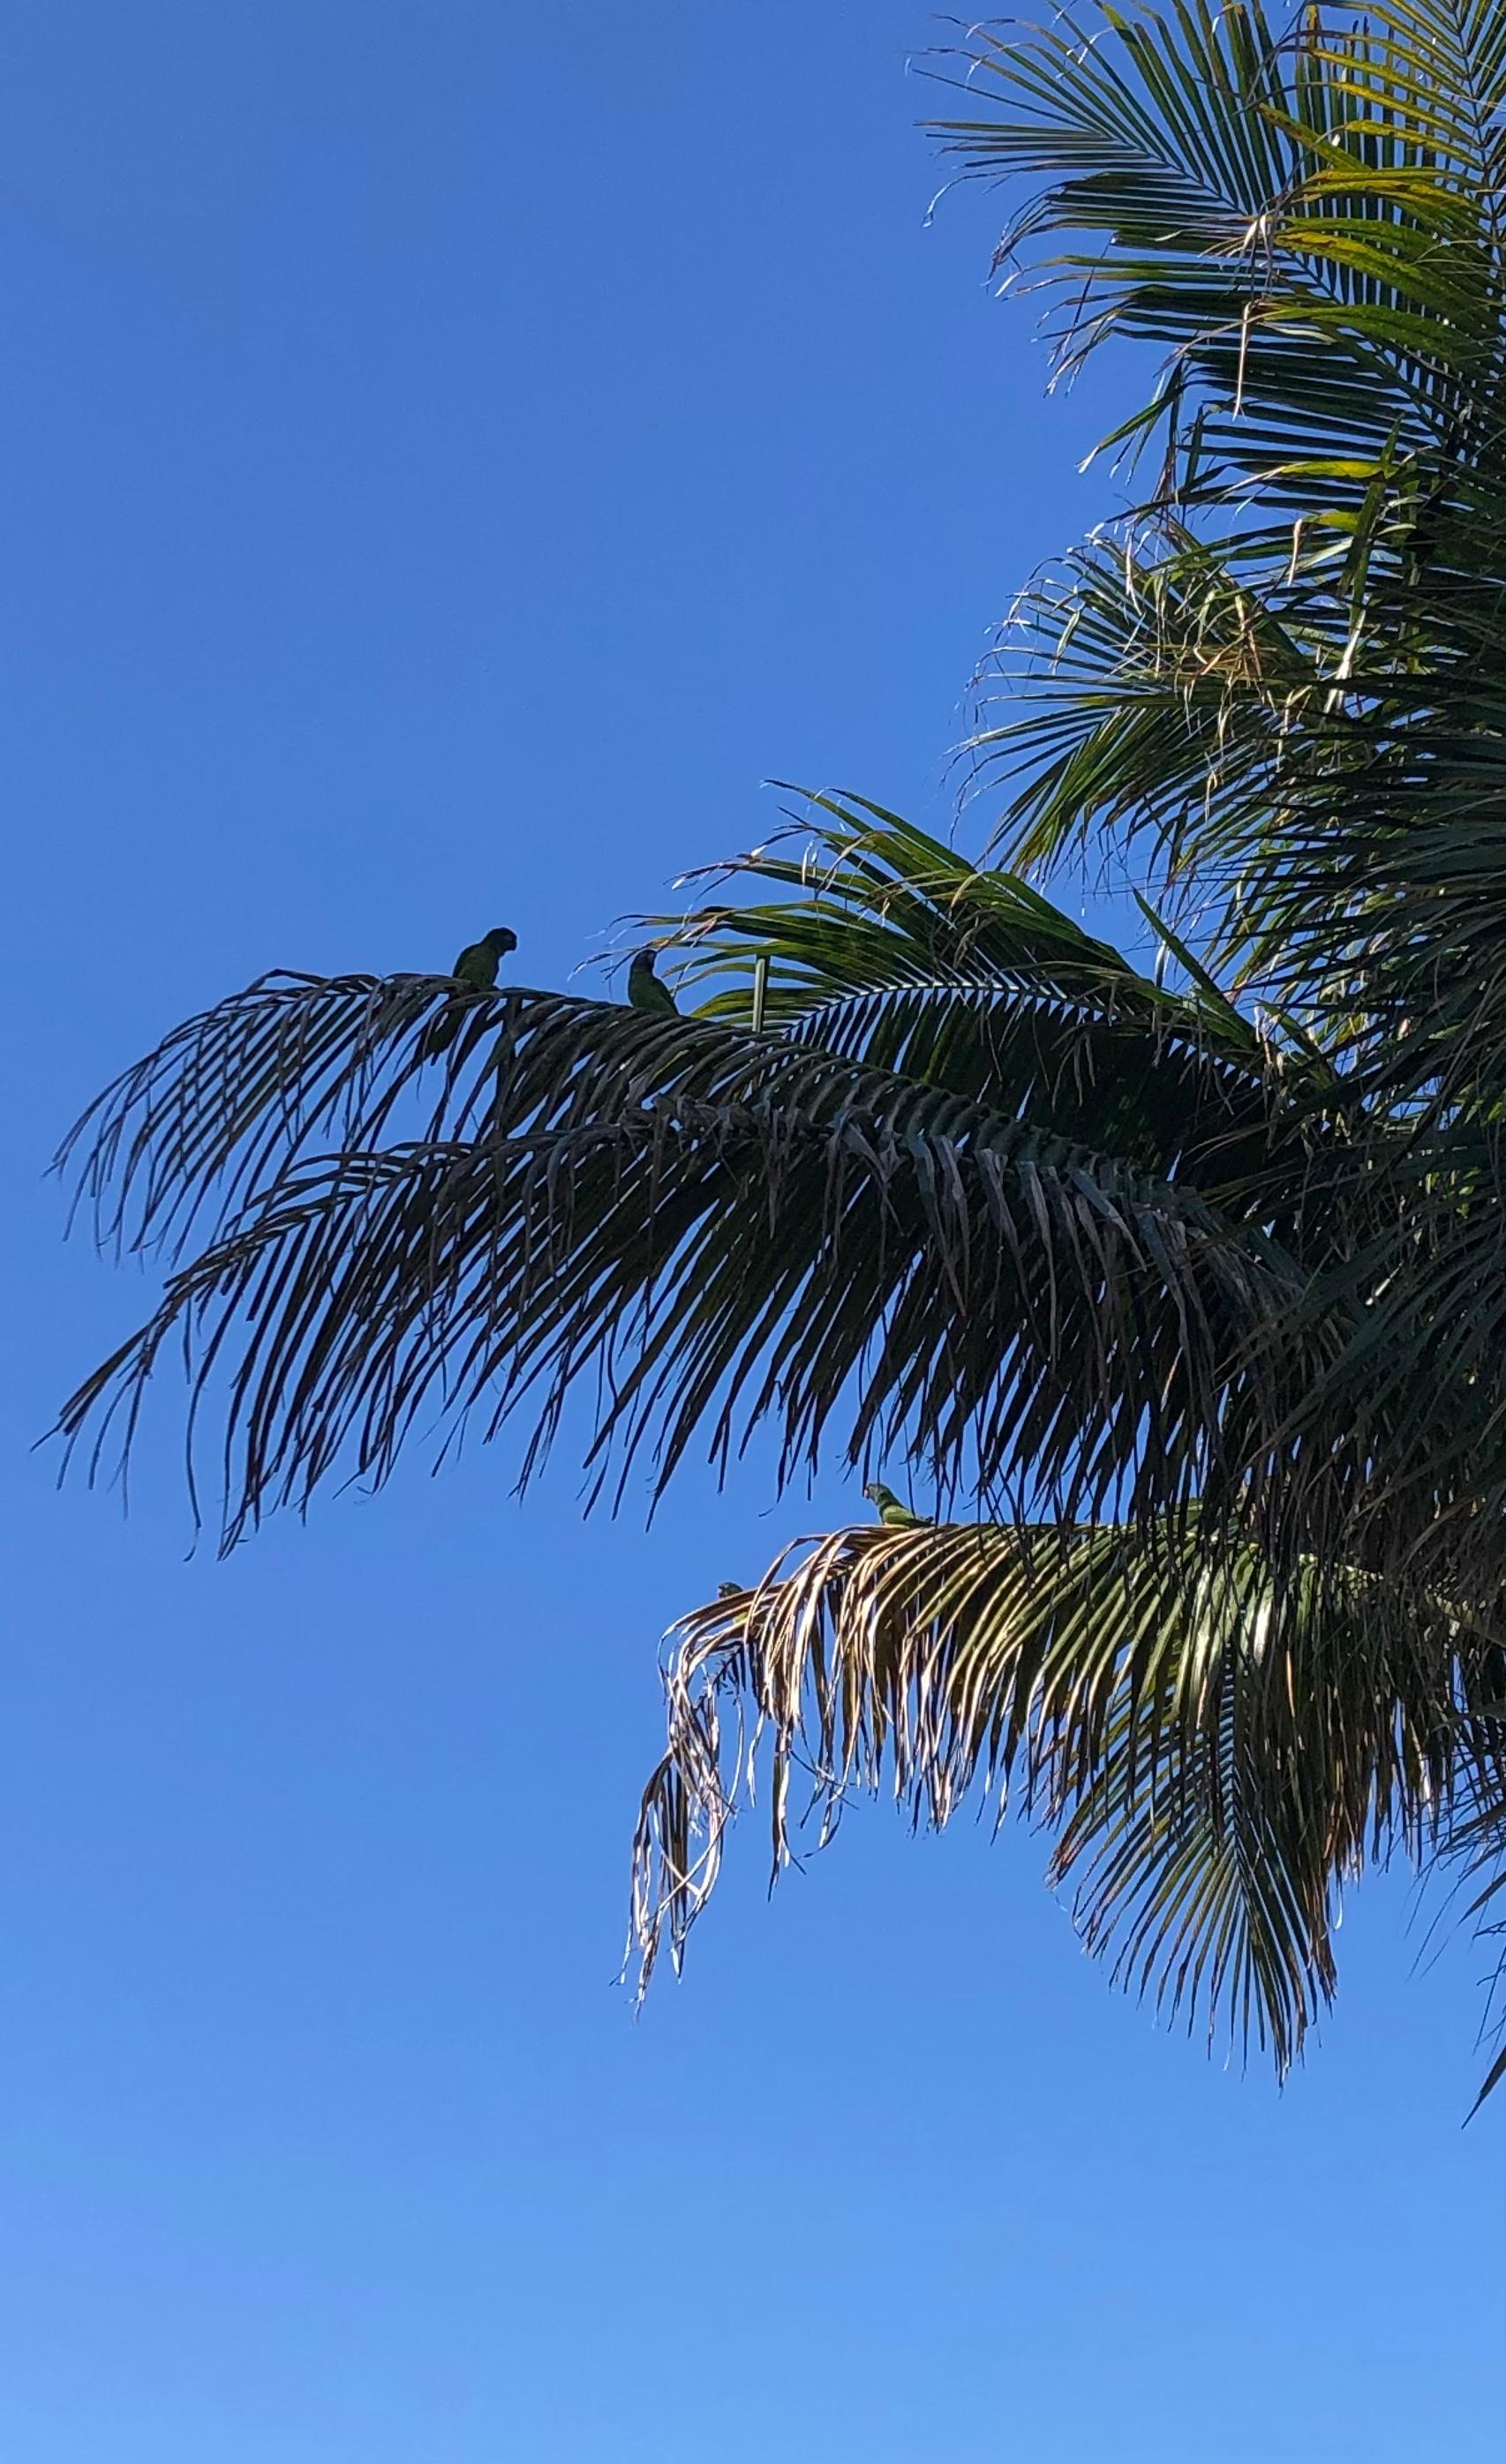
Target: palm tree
[{"x": 1182, "y": 1294}]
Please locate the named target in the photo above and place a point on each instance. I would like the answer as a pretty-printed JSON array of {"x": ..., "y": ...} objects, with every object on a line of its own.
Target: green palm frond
[
  {"x": 1259, "y": 703},
  {"x": 1150, "y": 691},
  {"x": 1335, "y": 844},
  {"x": 1309, "y": 222},
  {"x": 892, "y": 949}
]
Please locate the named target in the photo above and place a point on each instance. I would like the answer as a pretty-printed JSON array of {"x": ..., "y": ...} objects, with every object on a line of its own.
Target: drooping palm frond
[
  {"x": 881, "y": 929},
  {"x": 1217, "y": 1752},
  {"x": 712, "y": 1227},
  {"x": 404, "y": 1205}
]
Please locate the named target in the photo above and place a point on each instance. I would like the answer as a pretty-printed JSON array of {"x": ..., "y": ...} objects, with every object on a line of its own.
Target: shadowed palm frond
[
  {"x": 893, "y": 949},
  {"x": 714, "y": 1228}
]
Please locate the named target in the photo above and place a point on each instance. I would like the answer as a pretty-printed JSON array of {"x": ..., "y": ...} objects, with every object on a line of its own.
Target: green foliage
[{"x": 1188, "y": 1304}]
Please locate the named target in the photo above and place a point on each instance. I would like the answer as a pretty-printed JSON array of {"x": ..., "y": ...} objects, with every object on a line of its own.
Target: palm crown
[{"x": 1182, "y": 1291}]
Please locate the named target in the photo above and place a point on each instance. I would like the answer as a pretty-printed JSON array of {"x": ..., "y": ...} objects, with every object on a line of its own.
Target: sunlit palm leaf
[{"x": 1217, "y": 1752}]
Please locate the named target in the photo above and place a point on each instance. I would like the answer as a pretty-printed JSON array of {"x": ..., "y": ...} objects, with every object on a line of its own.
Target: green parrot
[
  {"x": 898, "y": 1517},
  {"x": 478, "y": 963},
  {"x": 644, "y": 988},
  {"x": 729, "y": 1591}
]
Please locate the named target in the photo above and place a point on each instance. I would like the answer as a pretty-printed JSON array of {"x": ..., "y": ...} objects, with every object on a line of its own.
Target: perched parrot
[
  {"x": 478, "y": 963},
  {"x": 729, "y": 1591},
  {"x": 889, "y": 1509},
  {"x": 475, "y": 971},
  {"x": 644, "y": 988}
]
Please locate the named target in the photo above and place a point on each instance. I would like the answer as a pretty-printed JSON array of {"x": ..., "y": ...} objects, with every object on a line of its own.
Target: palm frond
[
  {"x": 1298, "y": 718},
  {"x": 712, "y": 1227},
  {"x": 891, "y": 949},
  {"x": 1308, "y": 222},
  {"x": 398, "y": 1206},
  {"x": 1217, "y": 1750}
]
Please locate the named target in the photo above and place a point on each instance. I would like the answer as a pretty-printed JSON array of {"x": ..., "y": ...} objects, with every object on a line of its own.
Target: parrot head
[{"x": 501, "y": 938}]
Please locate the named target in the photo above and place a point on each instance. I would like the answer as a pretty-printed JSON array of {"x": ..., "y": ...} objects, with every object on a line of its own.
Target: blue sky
[{"x": 455, "y": 454}]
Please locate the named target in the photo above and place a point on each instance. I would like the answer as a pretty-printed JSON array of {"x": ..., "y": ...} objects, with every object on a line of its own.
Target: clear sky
[{"x": 453, "y": 452}]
